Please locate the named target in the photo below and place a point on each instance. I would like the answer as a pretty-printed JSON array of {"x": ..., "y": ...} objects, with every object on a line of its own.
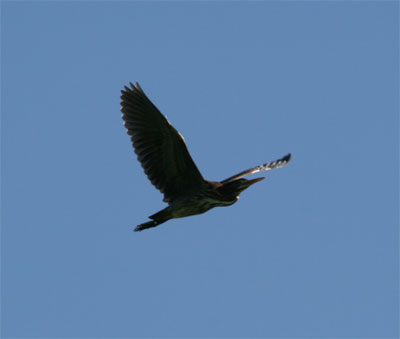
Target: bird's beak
[{"x": 253, "y": 181}]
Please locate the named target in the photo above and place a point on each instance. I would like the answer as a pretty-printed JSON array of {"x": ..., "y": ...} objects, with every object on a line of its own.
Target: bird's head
[{"x": 236, "y": 187}]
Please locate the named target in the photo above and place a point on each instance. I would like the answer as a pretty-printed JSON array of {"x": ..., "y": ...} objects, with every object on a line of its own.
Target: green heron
[{"x": 162, "y": 151}]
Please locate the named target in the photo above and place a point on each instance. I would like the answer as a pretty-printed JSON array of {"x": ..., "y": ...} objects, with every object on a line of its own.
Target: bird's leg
[
  {"x": 146, "y": 225},
  {"x": 158, "y": 218}
]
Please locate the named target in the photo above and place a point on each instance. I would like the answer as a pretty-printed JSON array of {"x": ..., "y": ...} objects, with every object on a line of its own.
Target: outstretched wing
[
  {"x": 266, "y": 167},
  {"x": 159, "y": 146}
]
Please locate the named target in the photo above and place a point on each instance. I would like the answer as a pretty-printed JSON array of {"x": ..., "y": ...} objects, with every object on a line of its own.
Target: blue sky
[{"x": 312, "y": 251}]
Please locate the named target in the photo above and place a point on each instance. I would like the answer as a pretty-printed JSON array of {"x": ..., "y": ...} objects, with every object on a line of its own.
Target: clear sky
[{"x": 312, "y": 251}]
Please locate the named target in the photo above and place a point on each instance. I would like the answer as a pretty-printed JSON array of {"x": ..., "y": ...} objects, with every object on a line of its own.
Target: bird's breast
[{"x": 185, "y": 208}]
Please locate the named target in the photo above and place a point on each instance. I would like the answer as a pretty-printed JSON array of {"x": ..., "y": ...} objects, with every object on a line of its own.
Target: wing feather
[
  {"x": 160, "y": 148},
  {"x": 265, "y": 167}
]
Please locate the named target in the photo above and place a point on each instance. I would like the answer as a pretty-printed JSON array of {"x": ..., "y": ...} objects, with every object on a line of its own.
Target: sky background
[{"x": 313, "y": 251}]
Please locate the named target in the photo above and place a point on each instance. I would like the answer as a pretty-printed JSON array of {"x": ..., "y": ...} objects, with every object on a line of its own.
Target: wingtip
[
  {"x": 287, "y": 157},
  {"x": 138, "y": 87},
  {"x": 131, "y": 88}
]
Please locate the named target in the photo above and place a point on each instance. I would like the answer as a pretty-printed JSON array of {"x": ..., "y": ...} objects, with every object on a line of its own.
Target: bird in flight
[{"x": 162, "y": 151}]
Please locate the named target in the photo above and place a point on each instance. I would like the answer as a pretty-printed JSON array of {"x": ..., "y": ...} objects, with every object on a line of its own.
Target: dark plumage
[{"x": 167, "y": 163}]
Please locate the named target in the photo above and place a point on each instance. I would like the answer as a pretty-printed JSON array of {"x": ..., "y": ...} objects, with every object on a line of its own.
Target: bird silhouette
[{"x": 162, "y": 151}]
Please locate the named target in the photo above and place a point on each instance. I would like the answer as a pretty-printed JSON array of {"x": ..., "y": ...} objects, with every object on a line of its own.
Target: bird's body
[
  {"x": 196, "y": 202},
  {"x": 163, "y": 154},
  {"x": 199, "y": 201}
]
